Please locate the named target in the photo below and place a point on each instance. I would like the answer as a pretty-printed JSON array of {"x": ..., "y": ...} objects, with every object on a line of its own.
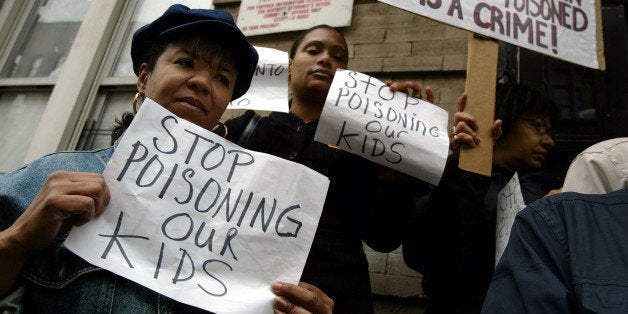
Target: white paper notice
[
  {"x": 362, "y": 116},
  {"x": 199, "y": 219},
  {"x": 561, "y": 29},
  {"x": 269, "y": 87},
  {"x": 509, "y": 203},
  {"x": 258, "y": 17}
]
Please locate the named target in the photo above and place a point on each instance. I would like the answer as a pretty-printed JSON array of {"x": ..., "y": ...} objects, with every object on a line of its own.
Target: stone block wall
[{"x": 390, "y": 275}]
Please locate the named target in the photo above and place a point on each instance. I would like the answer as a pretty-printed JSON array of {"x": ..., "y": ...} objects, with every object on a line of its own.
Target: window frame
[{"x": 73, "y": 92}]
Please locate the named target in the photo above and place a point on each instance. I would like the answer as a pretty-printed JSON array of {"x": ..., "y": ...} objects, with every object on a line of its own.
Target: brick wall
[
  {"x": 393, "y": 44},
  {"x": 390, "y": 275}
]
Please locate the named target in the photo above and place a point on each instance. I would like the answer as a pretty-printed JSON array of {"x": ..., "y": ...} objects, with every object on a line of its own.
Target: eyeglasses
[{"x": 539, "y": 125}]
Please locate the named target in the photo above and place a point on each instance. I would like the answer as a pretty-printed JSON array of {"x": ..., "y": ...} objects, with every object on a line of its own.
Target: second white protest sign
[{"x": 362, "y": 116}]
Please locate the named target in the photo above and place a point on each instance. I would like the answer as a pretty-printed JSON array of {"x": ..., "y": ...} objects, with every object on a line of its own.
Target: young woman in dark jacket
[{"x": 362, "y": 203}]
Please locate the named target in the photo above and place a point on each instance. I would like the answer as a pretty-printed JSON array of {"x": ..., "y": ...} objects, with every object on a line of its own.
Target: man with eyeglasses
[{"x": 452, "y": 240}]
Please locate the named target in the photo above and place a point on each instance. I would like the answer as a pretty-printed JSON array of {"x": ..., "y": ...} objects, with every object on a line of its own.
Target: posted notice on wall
[
  {"x": 258, "y": 17},
  {"x": 269, "y": 87},
  {"x": 509, "y": 203},
  {"x": 565, "y": 29},
  {"x": 362, "y": 116},
  {"x": 199, "y": 219}
]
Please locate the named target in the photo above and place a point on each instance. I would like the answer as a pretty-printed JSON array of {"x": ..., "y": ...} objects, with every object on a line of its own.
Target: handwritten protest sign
[
  {"x": 509, "y": 203},
  {"x": 362, "y": 116},
  {"x": 565, "y": 29},
  {"x": 199, "y": 219},
  {"x": 269, "y": 87},
  {"x": 258, "y": 17}
]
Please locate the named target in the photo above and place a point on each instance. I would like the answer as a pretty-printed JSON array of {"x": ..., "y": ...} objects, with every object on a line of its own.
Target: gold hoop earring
[
  {"x": 138, "y": 96},
  {"x": 220, "y": 124}
]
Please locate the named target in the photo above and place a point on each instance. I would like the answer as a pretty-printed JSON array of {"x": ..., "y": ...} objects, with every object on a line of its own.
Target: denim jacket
[
  {"x": 55, "y": 280},
  {"x": 567, "y": 253}
]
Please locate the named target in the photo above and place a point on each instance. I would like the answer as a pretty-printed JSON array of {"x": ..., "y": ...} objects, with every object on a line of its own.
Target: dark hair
[
  {"x": 297, "y": 42},
  {"x": 199, "y": 48},
  {"x": 121, "y": 125},
  {"x": 513, "y": 101},
  {"x": 150, "y": 56}
]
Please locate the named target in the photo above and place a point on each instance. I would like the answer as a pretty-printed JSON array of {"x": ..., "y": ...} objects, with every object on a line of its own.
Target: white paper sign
[
  {"x": 258, "y": 17},
  {"x": 565, "y": 29},
  {"x": 269, "y": 87},
  {"x": 199, "y": 219},
  {"x": 362, "y": 116},
  {"x": 509, "y": 203}
]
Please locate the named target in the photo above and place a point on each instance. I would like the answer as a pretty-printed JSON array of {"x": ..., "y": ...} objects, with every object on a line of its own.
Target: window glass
[
  {"x": 146, "y": 12},
  {"x": 44, "y": 42},
  {"x": 20, "y": 113},
  {"x": 97, "y": 133},
  {"x": 572, "y": 88}
]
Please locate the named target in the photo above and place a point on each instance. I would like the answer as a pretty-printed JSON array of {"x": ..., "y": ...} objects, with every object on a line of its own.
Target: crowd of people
[{"x": 193, "y": 62}]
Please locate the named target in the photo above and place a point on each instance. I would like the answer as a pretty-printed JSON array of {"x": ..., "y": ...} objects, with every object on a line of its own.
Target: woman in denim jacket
[{"x": 192, "y": 62}]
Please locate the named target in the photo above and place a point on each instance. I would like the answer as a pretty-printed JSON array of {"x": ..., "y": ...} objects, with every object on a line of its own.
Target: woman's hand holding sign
[
  {"x": 411, "y": 88},
  {"x": 304, "y": 298},
  {"x": 66, "y": 199},
  {"x": 465, "y": 127}
]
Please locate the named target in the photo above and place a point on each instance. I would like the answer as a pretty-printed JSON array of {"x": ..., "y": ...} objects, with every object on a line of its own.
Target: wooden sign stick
[{"x": 480, "y": 87}]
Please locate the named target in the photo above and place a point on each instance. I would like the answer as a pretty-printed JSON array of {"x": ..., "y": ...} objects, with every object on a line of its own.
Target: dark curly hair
[{"x": 513, "y": 101}]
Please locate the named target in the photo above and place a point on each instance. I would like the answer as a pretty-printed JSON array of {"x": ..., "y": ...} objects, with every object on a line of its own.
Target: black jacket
[
  {"x": 362, "y": 204},
  {"x": 451, "y": 239}
]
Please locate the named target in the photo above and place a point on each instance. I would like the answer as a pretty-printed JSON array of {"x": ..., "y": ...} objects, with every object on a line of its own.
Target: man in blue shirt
[
  {"x": 569, "y": 252},
  {"x": 566, "y": 253}
]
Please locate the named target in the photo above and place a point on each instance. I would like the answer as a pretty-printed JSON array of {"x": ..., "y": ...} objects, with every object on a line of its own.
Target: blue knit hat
[{"x": 217, "y": 25}]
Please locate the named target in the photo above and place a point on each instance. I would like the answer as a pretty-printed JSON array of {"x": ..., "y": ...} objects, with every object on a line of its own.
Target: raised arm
[{"x": 449, "y": 223}]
